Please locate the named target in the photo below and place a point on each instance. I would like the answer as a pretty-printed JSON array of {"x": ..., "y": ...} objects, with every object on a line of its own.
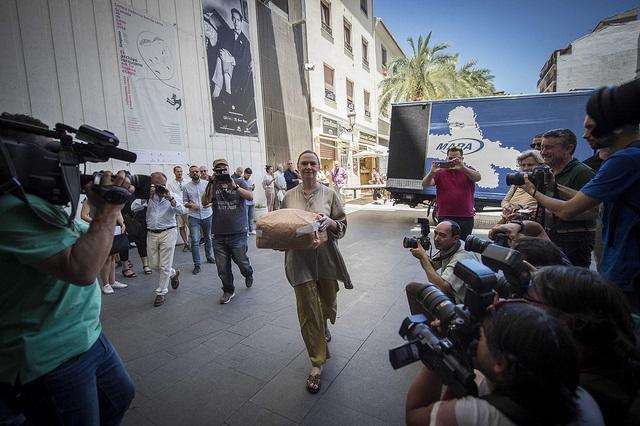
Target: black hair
[
  {"x": 539, "y": 252},
  {"x": 455, "y": 228},
  {"x": 566, "y": 136},
  {"x": 520, "y": 333},
  {"x": 308, "y": 151},
  {"x": 234, "y": 10},
  {"x": 248, "y": 171},
  {"x": 267, "y": 167},
  {"x": 455, "y": 149},
  {"x": 596, "y": 312}
]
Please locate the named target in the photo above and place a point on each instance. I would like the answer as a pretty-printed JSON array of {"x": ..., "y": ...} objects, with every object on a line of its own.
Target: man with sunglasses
[
  {"x": 536, "y": 142},
  {"x": 517, "y": 385}
]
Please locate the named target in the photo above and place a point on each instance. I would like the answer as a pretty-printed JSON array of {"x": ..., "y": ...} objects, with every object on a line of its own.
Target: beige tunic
[{"x": 324, "y": 262}]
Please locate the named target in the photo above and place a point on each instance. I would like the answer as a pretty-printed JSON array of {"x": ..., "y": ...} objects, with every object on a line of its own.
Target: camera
[
  {"x": 43, "y": 162},
  {"x": 505, "y": 259},
  {"x": 477, "y": 245},
  {"x": 161, "y": 190},
  {"x": 423, "y": 239},
  {"x": 451, "y": 354},
  {"x": 221, "y": 176},
  {"x": 540, "y": 177}
]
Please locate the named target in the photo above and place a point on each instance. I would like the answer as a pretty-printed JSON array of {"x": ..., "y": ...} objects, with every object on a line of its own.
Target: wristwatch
[{"x": 518, "y": 222}]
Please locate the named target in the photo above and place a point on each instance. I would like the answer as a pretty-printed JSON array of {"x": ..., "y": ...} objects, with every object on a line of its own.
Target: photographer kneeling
[
  {"x": 446, "y": 238},
  {"x": 519, "y": 386}
]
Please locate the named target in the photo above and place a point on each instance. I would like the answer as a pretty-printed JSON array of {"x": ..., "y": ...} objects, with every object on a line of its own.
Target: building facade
[{"x": 609, "y": 55}]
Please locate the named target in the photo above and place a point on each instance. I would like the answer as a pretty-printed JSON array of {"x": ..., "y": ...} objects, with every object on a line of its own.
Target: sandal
[
  {"x": 313, "y": 383},
  {"x": 128, "y": 273},
  {"x": 147, "y": 270}
]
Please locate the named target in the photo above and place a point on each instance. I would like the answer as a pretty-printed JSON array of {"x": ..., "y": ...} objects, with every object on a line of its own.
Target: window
[
  {"x": 364, "y": 6},
  {"x": 347, "y": 36},
  {"x": 329, "y": 91},
  {"x": 365, "y": 53},
  {"x": 367, "y": 110},
  {"x": 350, "y": 105},
  {"x": 325, "y": 15},
  {"x": 384, "y": 56}
]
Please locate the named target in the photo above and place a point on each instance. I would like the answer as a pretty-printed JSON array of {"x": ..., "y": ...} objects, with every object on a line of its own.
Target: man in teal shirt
[{"x": 53, "y": 356}]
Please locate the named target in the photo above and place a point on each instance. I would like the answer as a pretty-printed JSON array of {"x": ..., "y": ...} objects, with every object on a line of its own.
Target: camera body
[
  {"x": 450, "y": 354},
  {"x": 423, "y": 239},
  {"x": 540, "y": 176},
  {"x": 221, "y": 176}
]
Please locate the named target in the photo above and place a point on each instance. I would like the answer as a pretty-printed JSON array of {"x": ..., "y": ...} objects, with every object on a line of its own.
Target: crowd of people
[{"x": 561, "y": 350}]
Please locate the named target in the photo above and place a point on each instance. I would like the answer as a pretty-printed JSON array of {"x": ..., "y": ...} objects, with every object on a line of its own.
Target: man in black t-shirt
[{"x": 227, "y": 196}]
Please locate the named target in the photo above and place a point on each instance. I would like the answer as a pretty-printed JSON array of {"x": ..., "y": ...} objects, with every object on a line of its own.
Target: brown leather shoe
[
  {"x": 175, "y": 280},
  {"x": 159, "y": 301}
]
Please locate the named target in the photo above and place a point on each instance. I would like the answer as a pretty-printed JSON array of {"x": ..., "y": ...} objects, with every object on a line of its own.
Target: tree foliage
[{"x": 432, "y": 73}]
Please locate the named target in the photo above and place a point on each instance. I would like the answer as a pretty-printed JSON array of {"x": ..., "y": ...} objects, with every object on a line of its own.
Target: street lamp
[{"x": 352, "y": 123}]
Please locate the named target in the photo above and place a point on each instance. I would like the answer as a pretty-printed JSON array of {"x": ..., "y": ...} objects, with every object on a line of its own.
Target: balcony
[
  {"x": 330, "y": 94},
  {"x": 350, "y": 105},
  {"x": 327, "y": 28},
  {"x": 367, "y": 114},
  {"x": 365, "y": 64}
]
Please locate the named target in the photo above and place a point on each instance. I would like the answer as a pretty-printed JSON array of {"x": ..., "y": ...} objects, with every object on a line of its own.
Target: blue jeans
[
  {"x": 250, "y": 215},
  {"x": 225, "y": 248},
  {"x": 93, "y": 388},
  {"x": 195, "y": 225}
]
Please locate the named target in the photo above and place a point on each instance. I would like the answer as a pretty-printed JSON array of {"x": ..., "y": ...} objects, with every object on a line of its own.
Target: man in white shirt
[
  {"x": 162, "y": 208},
  {"x": 280, "y": 186},
  {"x": 182, "y": 220},
  {"x": 199, "y": 218}
]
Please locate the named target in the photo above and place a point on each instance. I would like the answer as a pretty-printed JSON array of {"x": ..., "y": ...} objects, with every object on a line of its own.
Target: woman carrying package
[{"x": 314, "y": 273}]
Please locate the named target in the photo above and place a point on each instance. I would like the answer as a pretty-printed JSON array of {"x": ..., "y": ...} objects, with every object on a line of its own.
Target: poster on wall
[
  {"x": 152, "y": 96},
  {"x": 226, "y": 29}
]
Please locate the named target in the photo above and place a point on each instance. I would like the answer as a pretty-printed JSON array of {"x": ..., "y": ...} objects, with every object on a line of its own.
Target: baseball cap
[{"x": 220, "y": 162}]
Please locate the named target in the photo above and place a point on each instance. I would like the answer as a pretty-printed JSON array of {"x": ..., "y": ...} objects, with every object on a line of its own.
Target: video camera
[
  {"x": 423, "y": 239},
  {"x": 39, "y": 161},
  {"x": 450, "y": 355},
  {"x": 499, "y": 257}
]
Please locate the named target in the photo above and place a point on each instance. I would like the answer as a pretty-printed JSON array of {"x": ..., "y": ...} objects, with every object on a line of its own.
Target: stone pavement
[{"x": 196, "y": 362}]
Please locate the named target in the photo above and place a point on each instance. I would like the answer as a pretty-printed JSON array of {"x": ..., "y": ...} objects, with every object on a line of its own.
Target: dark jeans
[
  {"x": 195, "y": 225},
  {"x": 93, "y": 388},
  {"x": 250, "y": 208},
  {"x": 142, "y": 250},
  {"x": 465, "y": 223},
  {"x": 225, "y": 248},
  {"x": 576, "y": 245}
]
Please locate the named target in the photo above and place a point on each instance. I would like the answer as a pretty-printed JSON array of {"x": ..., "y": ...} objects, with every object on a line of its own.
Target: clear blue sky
[{"x": 512, "y": 38}]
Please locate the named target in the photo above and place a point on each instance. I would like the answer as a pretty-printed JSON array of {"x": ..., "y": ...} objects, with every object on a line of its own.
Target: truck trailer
[{"x": 492, "y": 132}]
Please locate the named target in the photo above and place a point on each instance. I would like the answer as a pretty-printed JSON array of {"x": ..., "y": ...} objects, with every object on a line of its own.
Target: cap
[{"x": 219, "y": 162}]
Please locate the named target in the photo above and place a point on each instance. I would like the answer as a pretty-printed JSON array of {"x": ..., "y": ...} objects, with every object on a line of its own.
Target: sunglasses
[{"x": 536, "y": 146}]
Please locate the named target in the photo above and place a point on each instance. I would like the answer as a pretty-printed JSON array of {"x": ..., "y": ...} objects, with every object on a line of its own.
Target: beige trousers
[
  {"x": 160, "y": 248},
  {"x": 316, "y": 302}
]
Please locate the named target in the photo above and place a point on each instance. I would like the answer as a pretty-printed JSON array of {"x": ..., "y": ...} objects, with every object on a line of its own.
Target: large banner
[
  {"x": 153, "y": 104},
  {"x": 226, "y": 28}
]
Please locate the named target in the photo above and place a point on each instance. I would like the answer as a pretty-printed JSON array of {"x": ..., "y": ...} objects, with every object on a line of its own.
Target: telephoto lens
[{"x": 410, "y": 242}]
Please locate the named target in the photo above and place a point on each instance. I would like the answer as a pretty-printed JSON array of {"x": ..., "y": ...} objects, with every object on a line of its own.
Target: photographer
[
  {"x": 611, "y": 122},
  {"x": 446, "y": 238},
  {"x": 530, "y": 239},
  {"x": 227, "y": 197},
  {"x": 600, "y": 319},
  {"x": 162, "y": 208},
  {"x": 575, "y": 236},
  {"x": 54, "y": 356},
  {"x": 519, "y": 386}
]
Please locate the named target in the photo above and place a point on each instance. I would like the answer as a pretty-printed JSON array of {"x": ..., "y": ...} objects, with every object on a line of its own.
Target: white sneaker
[
  {"x": 252, "y": 232},
  {"x": 118, "y": 284},
  {"x": 107, "y": 289}
]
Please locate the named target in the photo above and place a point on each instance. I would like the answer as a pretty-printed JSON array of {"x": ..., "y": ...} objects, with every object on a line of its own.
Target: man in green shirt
[
  {"x": 575, "y": 237},
  {"x": 54, "y": 358}
]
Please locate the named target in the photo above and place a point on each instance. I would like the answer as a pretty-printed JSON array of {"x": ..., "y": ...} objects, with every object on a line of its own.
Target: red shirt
[{"x": 454, "y": 193}]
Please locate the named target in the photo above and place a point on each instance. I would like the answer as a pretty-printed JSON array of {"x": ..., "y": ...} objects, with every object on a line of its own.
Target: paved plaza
[{"x": 196, "y": 362}]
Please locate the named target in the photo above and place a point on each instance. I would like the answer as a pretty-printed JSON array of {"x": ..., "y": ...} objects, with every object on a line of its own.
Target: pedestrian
[
  {"x": 314, "y": 273},
  {"x": 280, "y": 186},
  {"x": 268, "y": 184},
  {"x": 177, "y": 186},
  {"x": 199, "y": 218},
  {"x": 246, "y": 176}
]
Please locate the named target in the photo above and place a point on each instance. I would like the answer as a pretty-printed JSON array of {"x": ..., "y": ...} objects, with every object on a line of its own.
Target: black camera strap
[{"x": 511, "y": 409}]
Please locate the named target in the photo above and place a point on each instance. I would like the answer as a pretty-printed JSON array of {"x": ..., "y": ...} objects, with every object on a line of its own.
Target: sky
[{"x": 513, "y": 39}]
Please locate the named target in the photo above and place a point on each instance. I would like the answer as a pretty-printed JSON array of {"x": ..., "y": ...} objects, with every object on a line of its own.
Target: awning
[{"x": 364, "y": 154}]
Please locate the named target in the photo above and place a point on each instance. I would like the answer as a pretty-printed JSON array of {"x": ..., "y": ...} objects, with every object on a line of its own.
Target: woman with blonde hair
[{"x": 516, "y": 197}]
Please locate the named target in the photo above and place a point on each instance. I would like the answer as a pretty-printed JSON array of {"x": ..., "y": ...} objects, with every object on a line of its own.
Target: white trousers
[{"x": 160, "y": 249}]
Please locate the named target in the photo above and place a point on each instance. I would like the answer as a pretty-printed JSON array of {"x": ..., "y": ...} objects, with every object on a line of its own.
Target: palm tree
[{"x": 431, "y": 73}]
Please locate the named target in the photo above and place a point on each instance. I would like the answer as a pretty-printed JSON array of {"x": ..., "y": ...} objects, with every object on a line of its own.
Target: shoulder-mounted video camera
[{"x": 43, "y": 162}]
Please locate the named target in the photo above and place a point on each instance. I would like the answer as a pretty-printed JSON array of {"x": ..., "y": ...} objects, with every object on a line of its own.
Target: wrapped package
[{"x": 287, "y": 229}]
